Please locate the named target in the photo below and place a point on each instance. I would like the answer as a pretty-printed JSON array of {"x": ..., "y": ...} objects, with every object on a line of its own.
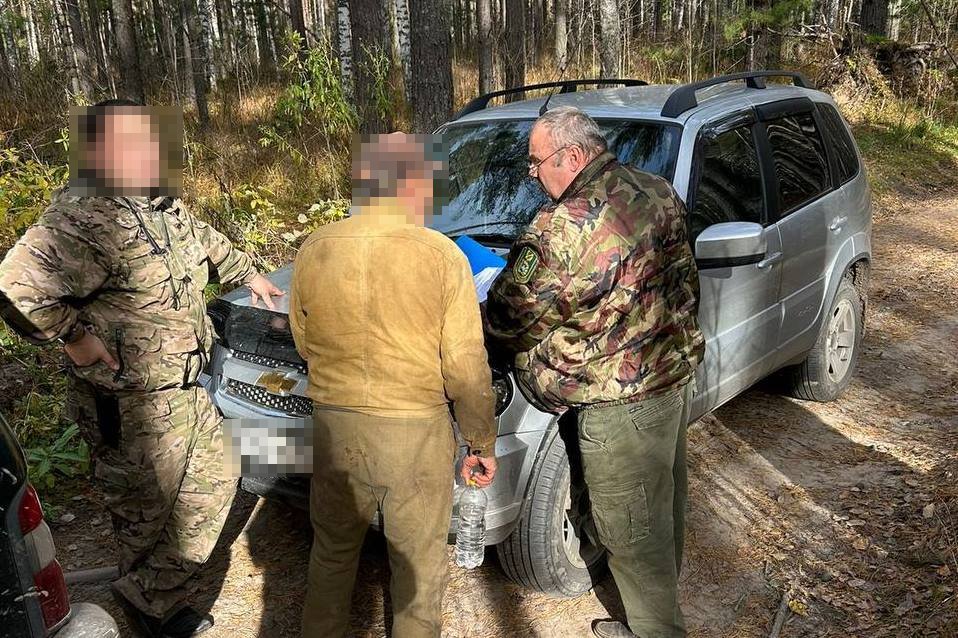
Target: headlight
[
  {"x": 219, "y": 311},
  {"x": 502, "y": 385}
]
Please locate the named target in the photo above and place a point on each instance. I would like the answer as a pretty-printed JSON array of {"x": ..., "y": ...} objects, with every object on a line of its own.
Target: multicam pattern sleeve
[
  {"x": 228, "y": 264},
  {"x": 54, "y": 266}
]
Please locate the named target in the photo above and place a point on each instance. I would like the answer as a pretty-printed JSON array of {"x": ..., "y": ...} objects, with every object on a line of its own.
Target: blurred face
[
  {"x": 127, "y": 153},
  {"x": 554, "y": 166}
]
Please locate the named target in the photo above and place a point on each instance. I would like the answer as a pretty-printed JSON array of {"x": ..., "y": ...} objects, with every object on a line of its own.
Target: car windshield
[{"x": 490, "y": 191}]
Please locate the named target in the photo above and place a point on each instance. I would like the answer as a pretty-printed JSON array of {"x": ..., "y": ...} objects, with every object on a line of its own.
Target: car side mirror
[{"x": 730, "y": 244}]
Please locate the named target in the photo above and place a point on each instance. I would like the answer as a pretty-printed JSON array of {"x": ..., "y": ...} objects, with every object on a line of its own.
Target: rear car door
[
  {"x": 738, "y": 310},
  {"x": 804, "y": 204}
]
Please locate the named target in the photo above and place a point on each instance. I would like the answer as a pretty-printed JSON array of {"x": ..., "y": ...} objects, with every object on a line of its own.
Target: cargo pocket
[{"x": 621, "y": 520}]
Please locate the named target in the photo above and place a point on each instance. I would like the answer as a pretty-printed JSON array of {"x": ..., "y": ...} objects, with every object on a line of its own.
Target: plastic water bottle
[{"x": 471, "y": 537}]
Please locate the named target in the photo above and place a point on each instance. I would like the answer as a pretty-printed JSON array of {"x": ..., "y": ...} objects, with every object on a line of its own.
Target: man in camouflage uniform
[
  {"x": 119, "y": 281},
  {"x": 598, "y": 301}
]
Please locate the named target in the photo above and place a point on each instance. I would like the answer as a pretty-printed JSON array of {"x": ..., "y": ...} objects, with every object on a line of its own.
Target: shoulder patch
[{"x": 526, "y": 264}]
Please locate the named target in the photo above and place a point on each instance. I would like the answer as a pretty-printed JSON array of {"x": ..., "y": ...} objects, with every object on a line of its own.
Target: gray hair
[{"x": 569, "y": 126}]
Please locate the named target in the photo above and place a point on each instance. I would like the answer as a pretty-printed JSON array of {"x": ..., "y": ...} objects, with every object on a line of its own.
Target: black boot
[
  {"x": 186, "y": 622},
  {"x": 611, "y": 629},
  {"x": 142, "y": 623}
]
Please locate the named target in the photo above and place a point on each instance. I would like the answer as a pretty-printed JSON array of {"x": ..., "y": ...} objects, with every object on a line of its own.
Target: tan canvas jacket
[{"x": 386, "y": 315}]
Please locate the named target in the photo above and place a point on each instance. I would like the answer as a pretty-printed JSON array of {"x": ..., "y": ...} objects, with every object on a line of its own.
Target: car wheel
[
  {"x": 549, "y": 550},
  {"x": 828, "y": 369}
]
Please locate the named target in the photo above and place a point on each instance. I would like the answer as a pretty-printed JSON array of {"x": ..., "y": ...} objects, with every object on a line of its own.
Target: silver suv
[{"x": 780, "y": 218}]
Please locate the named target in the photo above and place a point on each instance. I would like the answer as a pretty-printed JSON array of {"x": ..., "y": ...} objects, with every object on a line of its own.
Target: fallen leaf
[{"x": 928, "y": 511}]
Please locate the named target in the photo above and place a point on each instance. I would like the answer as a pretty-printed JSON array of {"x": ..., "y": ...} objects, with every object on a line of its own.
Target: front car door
[{"x": 738, "y": 311}]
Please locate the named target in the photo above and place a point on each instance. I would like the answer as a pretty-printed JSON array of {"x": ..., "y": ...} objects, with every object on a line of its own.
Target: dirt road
[{"x": 852, "y": 505}]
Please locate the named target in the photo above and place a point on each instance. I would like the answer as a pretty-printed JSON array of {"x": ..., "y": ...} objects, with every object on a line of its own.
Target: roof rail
[
  {"x": 683, "y": 98},
  {"x": 566, "y": 86}
]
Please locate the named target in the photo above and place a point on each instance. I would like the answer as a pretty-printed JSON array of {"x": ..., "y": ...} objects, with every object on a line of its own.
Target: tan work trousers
[{"x": 402, "y": 467}]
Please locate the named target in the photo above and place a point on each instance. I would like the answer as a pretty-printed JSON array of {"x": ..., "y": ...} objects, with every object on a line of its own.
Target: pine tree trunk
[
  {"x": 431, "y": 95},
  {"x": 263, "y": 45},
  {"x": 6, "y": 69},
  {"x": 81, "y": 50},
  {"x": 162, "y": 33},
  {"x": 368, "y": 32},
  {"x": 658, "y": 9},
  {"x": 194, "y": 34},
  {"x": 131, "y": 80},
  {"x": 874, "y": 17},
  {"x": 487, "y": 72},
  {"x": 299, "y": 24},
  {"x": 610, "y": 46},
  {"x": 514, "y": 52},
  {"x": 96, "y": 43}
]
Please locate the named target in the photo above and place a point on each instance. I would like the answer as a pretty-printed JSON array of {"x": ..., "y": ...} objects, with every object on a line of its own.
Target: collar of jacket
[
  {"x": 385, "y": 210},
  {"x": 587, "y": 174}
]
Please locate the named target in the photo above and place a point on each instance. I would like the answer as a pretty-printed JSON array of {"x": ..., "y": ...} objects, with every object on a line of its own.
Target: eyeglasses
[{"x": 534, "y": 165}]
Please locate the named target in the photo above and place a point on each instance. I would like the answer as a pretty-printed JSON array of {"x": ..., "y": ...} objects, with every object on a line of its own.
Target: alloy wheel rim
[{"x": 840, "y": 341}]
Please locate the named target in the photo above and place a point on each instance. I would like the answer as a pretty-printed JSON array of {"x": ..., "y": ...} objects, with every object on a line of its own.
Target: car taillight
[
  {"x": 54, "y": 602},
  {"x": 31, "y": 514},
  {"x": 47, "y": 573}
]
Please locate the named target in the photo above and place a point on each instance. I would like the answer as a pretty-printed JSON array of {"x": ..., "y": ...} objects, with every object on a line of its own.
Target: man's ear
[{"x": 580, "y": 157}]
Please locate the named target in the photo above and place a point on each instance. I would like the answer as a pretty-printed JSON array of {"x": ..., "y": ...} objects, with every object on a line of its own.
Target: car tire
[
  {"x": 828, "y": 369},
  {"x": 543, "y": 552}
]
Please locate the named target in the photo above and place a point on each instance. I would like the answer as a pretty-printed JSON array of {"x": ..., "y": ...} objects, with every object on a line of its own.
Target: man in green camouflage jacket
[
  {"x": 119, "y": 282},
  {"x": 598, "y": 302}
]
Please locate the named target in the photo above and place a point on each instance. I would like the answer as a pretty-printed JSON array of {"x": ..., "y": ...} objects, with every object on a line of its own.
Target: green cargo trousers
[
  {"x": 401, "y": 467},
  {"x": 634, "y": 462},
  {"x": 160, "y": 466}
]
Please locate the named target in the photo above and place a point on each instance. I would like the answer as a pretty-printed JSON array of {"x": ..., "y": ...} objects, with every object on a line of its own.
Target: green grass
[{"x": 904, "y": 150}]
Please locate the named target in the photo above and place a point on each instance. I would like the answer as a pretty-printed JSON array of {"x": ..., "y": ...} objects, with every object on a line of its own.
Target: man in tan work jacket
[{"x": 385, "y": 313}]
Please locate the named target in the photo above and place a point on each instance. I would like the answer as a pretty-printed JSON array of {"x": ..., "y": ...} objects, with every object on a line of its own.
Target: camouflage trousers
[
  {"x": 159, "y": 462},
  {"x": 634, "y": 463},
  {"x": 402, "y": 467}
]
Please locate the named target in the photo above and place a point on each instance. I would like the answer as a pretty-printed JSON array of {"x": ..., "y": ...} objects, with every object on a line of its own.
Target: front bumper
[{"x": 511, "y": 449}]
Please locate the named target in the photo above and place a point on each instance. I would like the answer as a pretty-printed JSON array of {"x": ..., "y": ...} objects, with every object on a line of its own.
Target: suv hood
[{"x": 281, "y": 278}]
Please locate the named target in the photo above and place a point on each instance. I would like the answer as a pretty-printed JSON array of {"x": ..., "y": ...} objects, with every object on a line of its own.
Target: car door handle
[
  {"x": 837, "y": 223},
  {"x": 768, "y": 261}
]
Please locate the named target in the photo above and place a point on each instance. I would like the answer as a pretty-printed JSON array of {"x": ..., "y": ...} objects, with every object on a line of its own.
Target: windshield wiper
[
  {"x": 460, "y": 231},
  {"x": 494, "y": 238}
]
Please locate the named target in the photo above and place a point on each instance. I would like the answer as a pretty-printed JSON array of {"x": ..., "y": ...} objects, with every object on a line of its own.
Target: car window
[
  {"x": 799, "y": 158},
  {"x": 729, "y": 183},
  {"x": 489, "y": 188},
  {"x": 841, "y": 142}
]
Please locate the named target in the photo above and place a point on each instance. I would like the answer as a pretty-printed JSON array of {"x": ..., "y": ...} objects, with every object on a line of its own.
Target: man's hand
[
  {"x": 262, "y": 288},
  {"x": 487, "y": 466},
  {"x": 88, "y": 350}
]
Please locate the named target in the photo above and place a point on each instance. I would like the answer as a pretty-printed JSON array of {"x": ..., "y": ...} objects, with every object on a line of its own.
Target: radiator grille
[
  {"x": 269, "y": 362},
  {"x": 293, "y": 405}
]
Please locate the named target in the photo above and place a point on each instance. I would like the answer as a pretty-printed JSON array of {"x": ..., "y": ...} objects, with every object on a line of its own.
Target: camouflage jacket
[
  {"x": 599, "y": 296},
  {"x": 133, "y": 272}
]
